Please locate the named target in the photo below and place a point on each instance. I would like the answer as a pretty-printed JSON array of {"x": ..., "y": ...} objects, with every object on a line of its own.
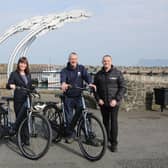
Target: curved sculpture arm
[
  {"x": 33, "y": 23},
  {"x": 52, "y": 22}
]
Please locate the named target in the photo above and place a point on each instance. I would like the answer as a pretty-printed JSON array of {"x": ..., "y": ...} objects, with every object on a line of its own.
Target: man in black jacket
[
  {"x": 110, "y": 90},
  {"x": 73, "y": 74}
]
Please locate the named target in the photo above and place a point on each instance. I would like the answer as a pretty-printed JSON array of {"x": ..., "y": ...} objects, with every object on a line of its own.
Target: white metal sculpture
[{"x": 37, "y": 27}]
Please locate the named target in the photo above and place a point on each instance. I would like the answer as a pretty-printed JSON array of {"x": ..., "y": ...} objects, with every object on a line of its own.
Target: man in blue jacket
[{"x": 73, "y": 74}]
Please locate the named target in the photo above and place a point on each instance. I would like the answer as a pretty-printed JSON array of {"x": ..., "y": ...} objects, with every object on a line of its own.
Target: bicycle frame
[
  {"x": 83, "y": 115},
  {"x": 29, "y": 111},
  {"x": 29, "y": 114},
  {"x": 7, "y": 116},
  {"x": 63, "y": 111},
  {"x": 90, "y": 132}
]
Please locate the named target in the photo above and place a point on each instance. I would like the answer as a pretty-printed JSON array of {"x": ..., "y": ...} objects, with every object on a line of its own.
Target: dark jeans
[
  {"x": 21, "y": 114},
  {"x": 70, "y": 104},
  {"x": 110, "y": 121}
]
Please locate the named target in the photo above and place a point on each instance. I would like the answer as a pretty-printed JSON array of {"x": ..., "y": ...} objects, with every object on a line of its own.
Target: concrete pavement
[{"x": 143, "y": 143}]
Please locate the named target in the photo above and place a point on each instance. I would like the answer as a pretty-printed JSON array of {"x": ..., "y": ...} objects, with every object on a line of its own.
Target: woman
[{"x": 20, "y": 77}]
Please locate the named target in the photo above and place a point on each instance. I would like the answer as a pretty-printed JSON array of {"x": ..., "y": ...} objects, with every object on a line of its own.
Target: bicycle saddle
[{"x": 7, "y": 98}]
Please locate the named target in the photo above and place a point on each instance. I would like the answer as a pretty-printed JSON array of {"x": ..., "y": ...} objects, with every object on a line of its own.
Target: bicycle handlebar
[
  {"x": 33, "y": 92},
  {"x": 87, "y": 88}
]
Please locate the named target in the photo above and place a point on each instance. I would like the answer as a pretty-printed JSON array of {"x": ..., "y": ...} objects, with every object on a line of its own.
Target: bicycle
[
  {"x": 90, "y": 132},
  {"x": 36, "y": 127}
]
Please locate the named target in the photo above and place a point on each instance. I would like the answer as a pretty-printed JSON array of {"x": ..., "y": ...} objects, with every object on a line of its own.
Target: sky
[{"x": 129, "y": 30}]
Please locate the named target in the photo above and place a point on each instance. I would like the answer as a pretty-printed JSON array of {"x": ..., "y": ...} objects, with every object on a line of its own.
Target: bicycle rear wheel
[
  {"x": 34, "y": 141},
  {"x": 1, "y": 119},
  {"x": 55, "y": 118},
  {"x": 92, "y": 138},
  {"x": 1, "y": 125}
]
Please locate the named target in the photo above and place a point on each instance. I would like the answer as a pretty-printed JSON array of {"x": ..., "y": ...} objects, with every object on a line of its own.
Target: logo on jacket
[
  {"x": 113, "y": 78},
  {"x": 79, "y": 73}
]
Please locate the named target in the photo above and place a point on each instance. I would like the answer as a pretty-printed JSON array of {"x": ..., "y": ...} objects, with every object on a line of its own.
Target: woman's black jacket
[{"x": 15, "y": 78}]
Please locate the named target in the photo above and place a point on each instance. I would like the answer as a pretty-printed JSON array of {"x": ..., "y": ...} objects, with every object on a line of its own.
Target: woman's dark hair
[{"x": 23, "y": 60}]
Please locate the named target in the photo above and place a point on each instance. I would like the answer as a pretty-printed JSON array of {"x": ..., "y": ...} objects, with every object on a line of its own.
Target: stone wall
[
  {"x": 140, "y": 91},
  {"x": 140, "y": 83}
]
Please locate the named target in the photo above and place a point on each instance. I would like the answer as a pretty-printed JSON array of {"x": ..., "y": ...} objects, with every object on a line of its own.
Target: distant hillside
[{"x": 153, "y": 62}]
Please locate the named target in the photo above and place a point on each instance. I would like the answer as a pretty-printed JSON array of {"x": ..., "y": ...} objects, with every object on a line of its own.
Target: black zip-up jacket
[
  {"x": 15, "y": 78},
  {"x": 75, "y": 77},
  {"x": 110, "y": 85}
]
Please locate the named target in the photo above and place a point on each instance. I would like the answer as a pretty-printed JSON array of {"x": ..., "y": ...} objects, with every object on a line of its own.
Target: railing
[
  {"x": 40, "y": 79},
  {"x": 52, "y": 79}
]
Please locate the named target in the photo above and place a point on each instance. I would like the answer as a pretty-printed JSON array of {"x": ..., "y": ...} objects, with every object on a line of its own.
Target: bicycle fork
[
  {"x": 30, "y": 123},
  {"x": 87, "y": 125},
  {"x": 31, "y": 127}
]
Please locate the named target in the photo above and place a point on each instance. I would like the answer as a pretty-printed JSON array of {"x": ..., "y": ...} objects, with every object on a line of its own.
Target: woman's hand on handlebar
[{"x": 12, "y": 86}]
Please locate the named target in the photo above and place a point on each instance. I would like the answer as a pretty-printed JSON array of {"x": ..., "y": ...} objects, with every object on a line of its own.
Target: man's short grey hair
[
  {"x": 72, "y": 53},
  {"x": 109, "y": 56}
]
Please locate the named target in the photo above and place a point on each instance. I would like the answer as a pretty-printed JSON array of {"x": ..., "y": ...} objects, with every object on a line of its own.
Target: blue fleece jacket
[{"x": 75, "y": 77}]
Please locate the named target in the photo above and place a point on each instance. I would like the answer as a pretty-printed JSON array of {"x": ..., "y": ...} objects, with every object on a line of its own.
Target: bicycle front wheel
[
  {"x": 92, "y": 137},
  {"x": 34, "y": 136}
]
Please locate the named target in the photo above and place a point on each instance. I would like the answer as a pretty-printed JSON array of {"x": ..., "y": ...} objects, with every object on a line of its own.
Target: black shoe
[
  {"x": 113, "y": 148},
  {"x": 69, "y": 140},
  {"x": 70, "y": 137},
  {"x": 26, "y": 142}
]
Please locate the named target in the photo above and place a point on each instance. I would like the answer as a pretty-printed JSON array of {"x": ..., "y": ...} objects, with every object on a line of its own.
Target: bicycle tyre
[
  {"x": 83, "y": 140},
  {"x": 40, "y": 131}
]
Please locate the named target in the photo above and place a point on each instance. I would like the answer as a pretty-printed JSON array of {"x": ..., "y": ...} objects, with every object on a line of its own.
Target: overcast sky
[{"x": 129, "y": 30}]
